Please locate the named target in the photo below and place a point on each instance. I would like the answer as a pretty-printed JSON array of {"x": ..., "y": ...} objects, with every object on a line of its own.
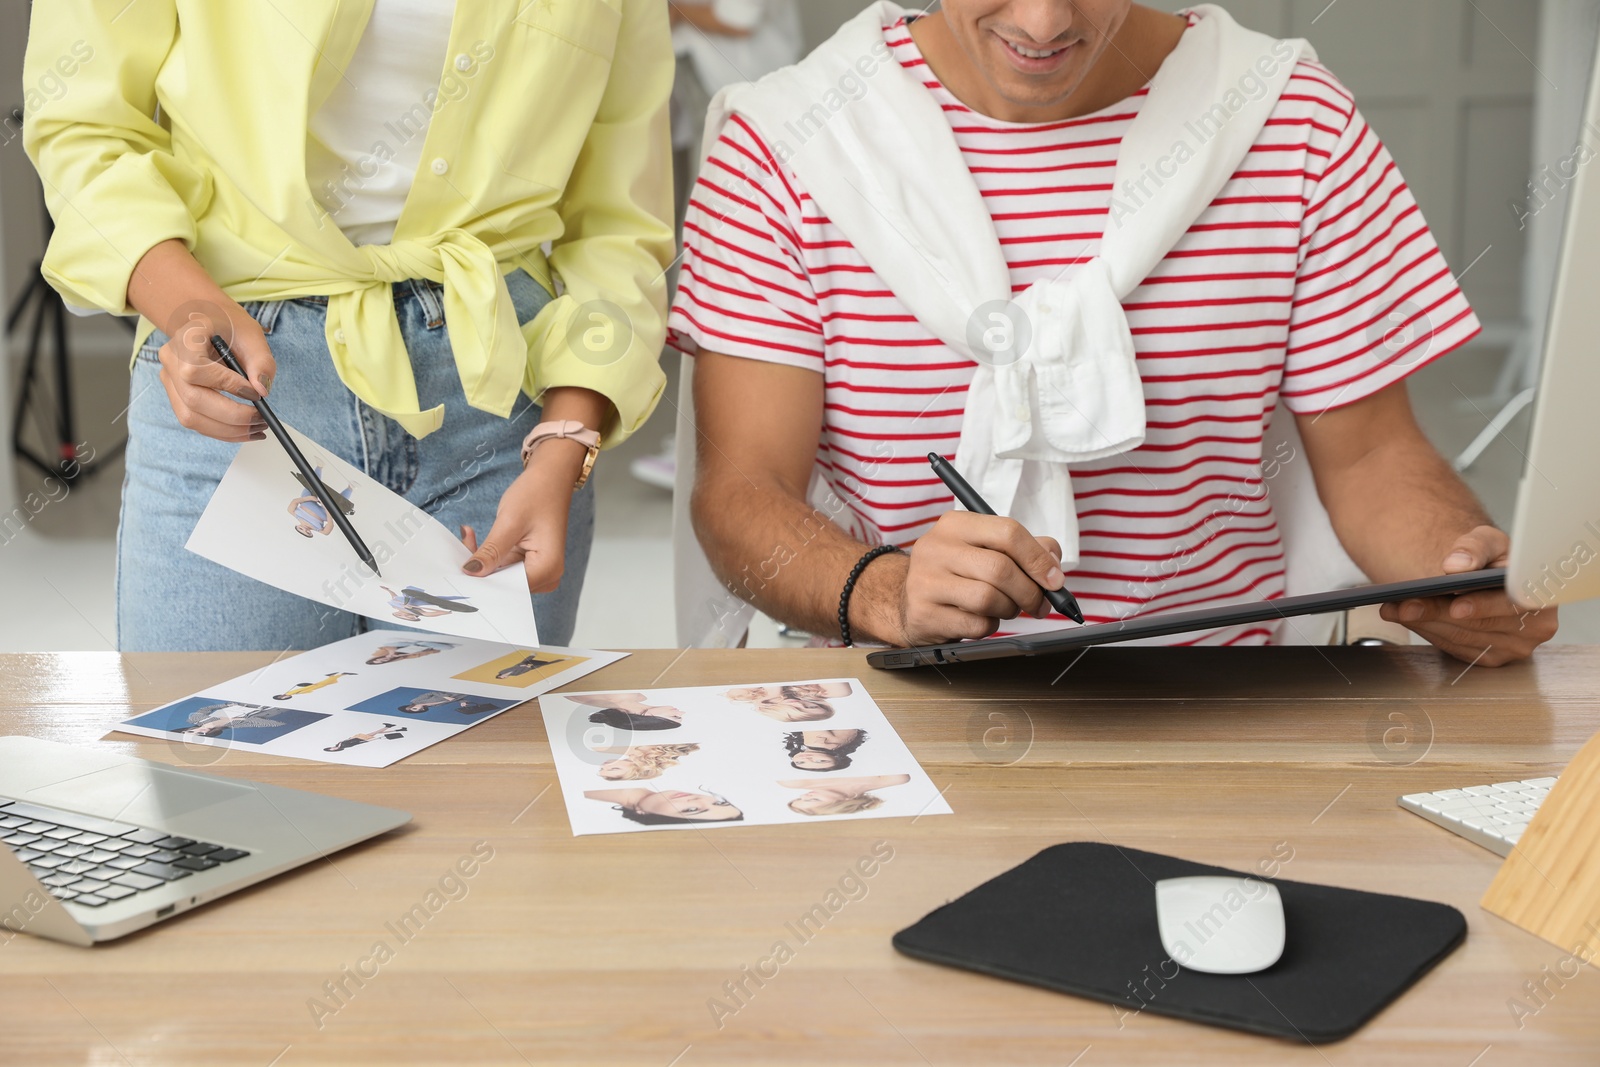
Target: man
[{"x": 1281, "y": 292}]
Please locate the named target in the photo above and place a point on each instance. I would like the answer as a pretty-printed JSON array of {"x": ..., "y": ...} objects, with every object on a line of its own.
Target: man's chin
[
  {"x": 1031, "y": 94},
  {"x": 1034, "y": 92}
]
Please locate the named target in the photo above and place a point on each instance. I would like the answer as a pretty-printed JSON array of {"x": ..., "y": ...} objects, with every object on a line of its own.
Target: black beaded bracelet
[{"x": 850, "y": 587}]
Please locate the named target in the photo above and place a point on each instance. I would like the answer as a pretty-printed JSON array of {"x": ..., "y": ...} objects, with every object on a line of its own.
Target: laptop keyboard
[{"x": 92, "y": 861}]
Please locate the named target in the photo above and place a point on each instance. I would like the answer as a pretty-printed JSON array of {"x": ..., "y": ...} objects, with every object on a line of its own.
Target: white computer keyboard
[{"x": 1493, "y": 816}]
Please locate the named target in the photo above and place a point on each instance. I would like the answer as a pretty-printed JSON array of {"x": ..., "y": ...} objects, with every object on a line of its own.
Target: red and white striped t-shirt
[{"x": 1311, "y": 278}]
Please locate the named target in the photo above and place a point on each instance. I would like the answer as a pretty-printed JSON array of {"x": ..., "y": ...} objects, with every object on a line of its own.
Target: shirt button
[
  {"x": 1021, "y": 413},
  {"x": 440, "y": 166},
  {"x": 463, "y": 62},
  {"x": 338, "y": 335}
]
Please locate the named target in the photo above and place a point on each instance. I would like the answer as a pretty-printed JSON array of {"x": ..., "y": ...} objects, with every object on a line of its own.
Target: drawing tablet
[
  {"x": 1080, "y": 918},
  {"x": 1178, "y": 622}
]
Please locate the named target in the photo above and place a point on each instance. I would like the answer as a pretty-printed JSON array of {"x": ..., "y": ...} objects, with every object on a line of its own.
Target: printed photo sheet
[
  {"x": 739, "y": 755},
  {"x": 370, "y": 700},
  {"x": 265, "y": 522}
]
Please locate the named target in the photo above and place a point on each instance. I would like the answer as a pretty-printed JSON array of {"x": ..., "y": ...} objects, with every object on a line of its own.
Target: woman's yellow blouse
[{"x": 188, "y": 119}]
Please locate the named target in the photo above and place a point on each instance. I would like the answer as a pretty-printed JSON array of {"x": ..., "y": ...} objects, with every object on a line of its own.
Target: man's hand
[
  {"x": 1483, "y": 628},
  {"x": 971, "y": 571}
]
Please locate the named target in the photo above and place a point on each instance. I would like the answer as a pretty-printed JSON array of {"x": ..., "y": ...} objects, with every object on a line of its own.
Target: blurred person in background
[{"x": 718, "y": 43}]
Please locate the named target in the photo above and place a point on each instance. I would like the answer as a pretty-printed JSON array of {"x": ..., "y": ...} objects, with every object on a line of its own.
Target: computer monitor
[{"x": 1555, "y": 541}]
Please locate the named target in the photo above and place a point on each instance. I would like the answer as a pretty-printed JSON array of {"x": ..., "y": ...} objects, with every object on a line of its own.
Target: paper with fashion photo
[
  {"x": 741, "y": 755},
  {"x": 370, "y": 700},
  {"x": 266, "y": 522}
]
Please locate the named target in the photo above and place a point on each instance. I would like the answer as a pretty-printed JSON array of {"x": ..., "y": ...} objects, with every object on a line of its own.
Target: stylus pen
[
  {"x": 1060, "y": 599},
  {"x": 312, "y": 481}
]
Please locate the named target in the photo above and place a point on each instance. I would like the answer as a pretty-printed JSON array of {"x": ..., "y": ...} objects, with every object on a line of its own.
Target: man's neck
[{"x": 1130, "y": 60}]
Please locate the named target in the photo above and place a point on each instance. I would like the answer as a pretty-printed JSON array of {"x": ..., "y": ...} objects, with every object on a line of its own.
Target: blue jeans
[{"x": 169, "y": 599}]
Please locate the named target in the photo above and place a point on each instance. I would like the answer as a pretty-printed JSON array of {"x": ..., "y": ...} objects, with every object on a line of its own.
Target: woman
[
  {"x": 842, "y": 796},
  {"x": 310, "y": 516},
  {"x": 453, "y": 701},
  {"x": 649, "y": 808},
  {"x": 389, "y": 731},
  {"x": 822, "y": 750},
  {"x": 629, "y": 711},
  {"x": 311, "y": 687},
  {"x": 530, "y": 662},
  {"x": 643, "y": 761},
  {"x": 413, "y": 605},
  {"x": 793, "y": 703},
  {"x": 213, "y": 719},
  {"x": 404, "y": 650},
  {"x": 358, "y": 198}
]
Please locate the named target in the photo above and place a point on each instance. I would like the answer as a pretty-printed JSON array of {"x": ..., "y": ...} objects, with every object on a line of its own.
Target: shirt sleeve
[
  {"x": 744, "y": 289},
  {"x": 1374, "y": 299},
  {"x": 111, "y": 182},
  {"x": 605, "y": 331}
]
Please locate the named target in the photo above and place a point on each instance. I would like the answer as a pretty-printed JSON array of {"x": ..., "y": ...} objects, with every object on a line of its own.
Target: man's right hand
[
  {"x": 971, "y": 571},
  {"x": 758, "y": 431},
  {"x": 173, "y": 291}
]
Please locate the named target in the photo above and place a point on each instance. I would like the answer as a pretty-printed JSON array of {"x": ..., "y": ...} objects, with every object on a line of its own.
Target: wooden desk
[{"x": 608, "y": 950}]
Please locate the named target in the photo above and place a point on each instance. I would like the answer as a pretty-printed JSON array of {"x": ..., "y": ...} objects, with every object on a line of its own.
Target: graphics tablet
[{"x": 1177, "y": 622}]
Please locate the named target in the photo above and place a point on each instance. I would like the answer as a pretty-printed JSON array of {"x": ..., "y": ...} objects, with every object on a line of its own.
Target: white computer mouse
[{"x": 1219, "y": 924}]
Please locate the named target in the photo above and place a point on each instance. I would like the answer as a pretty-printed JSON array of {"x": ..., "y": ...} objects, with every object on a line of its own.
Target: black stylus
[
  {"x": 1060, "y": 599},
  {"x": 323, "y": 493}
]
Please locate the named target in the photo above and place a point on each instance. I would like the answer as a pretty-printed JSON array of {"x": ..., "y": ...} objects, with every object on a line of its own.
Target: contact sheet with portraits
[{"x": 703, "y": 757}]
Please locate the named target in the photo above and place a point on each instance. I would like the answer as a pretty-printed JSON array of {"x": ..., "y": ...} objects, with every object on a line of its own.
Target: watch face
[{"x": 588, "y": 467}]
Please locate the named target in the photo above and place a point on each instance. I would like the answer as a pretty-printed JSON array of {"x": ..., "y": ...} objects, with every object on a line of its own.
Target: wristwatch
[{"x": 571, "y": 430}]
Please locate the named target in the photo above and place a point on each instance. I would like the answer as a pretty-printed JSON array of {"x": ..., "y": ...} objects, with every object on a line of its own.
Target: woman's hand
[
  {"x": 530, "y": 526},
  {"x": 172, "y": 290}
]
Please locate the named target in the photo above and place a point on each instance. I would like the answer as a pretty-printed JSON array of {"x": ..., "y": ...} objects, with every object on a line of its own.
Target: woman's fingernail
[
  {"x": 1411, "y": 612},
  {"x": 1055, "y": 577},
  {"x": 1460, "y": 559},
  {"x": 473, "y": 566}
]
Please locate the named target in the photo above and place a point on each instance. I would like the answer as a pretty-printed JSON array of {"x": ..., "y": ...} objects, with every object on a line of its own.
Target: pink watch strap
[{"x": 571, "y": 430}]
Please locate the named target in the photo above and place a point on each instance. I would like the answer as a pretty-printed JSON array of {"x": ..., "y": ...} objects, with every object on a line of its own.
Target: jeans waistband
[{"x": 429, "y": 294}]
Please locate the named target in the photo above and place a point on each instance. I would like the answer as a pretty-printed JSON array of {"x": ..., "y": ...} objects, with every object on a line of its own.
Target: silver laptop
[{"x": 100, "y": 845}]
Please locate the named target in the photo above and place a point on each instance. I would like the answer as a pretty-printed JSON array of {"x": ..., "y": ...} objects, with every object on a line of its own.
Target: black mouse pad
[{"x": 1081, "y": 918}]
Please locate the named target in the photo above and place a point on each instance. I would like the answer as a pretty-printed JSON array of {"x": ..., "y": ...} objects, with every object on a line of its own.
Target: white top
[
  {"x": 720, "y": 60},
  {"x": 366, "y": 140}
]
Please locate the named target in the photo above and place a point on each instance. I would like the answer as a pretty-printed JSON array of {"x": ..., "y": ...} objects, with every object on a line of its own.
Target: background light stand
[{"x": 52, "y": 412}]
